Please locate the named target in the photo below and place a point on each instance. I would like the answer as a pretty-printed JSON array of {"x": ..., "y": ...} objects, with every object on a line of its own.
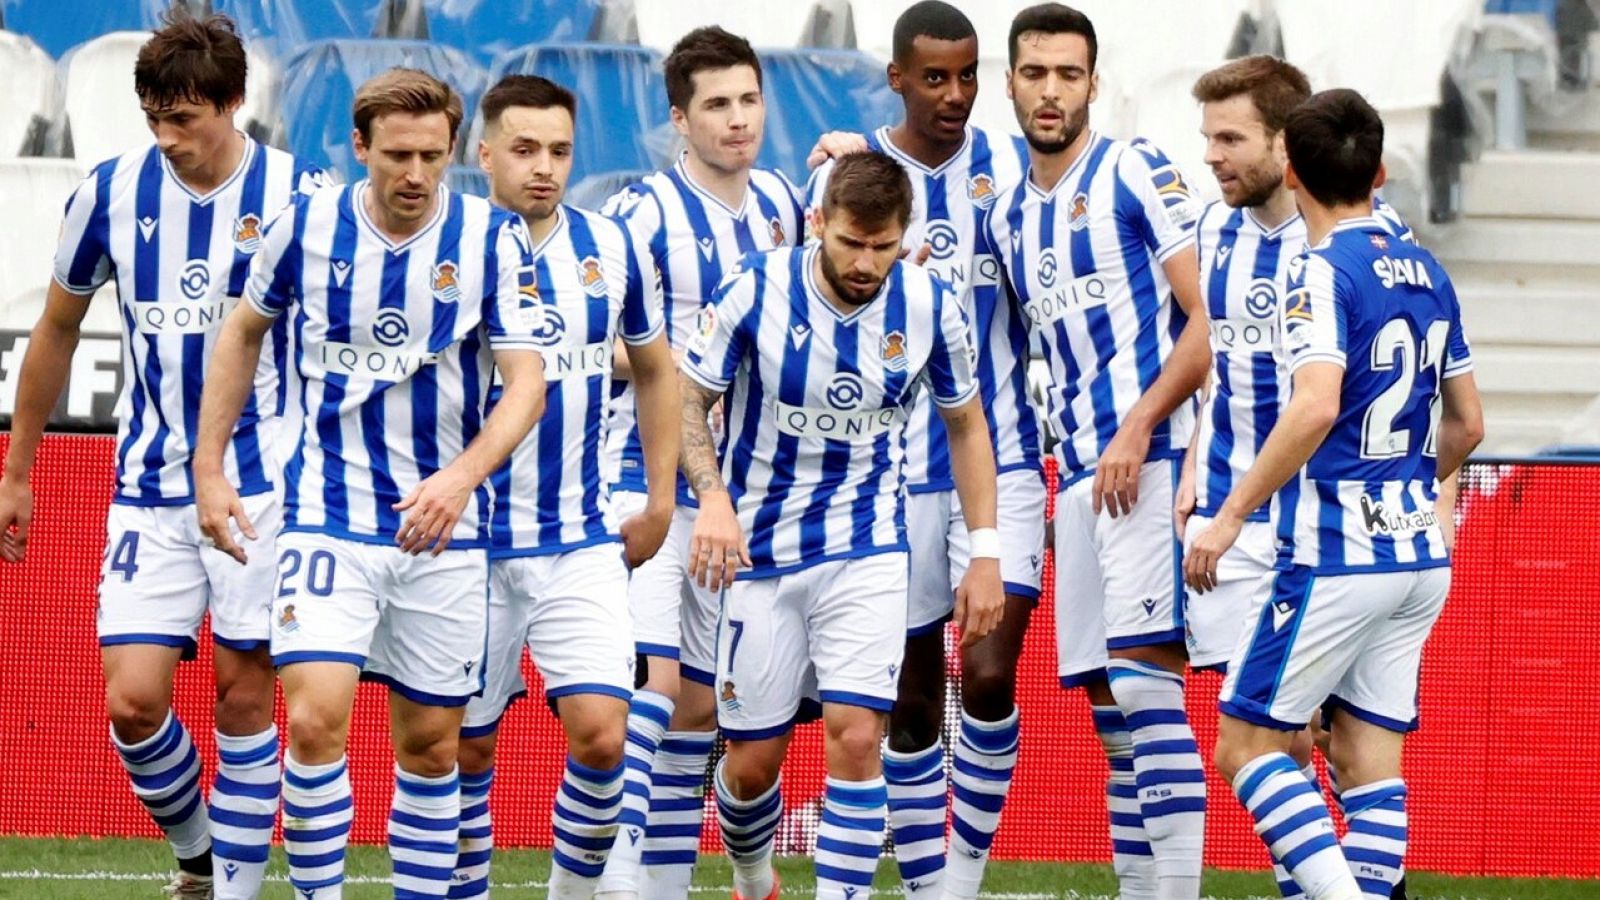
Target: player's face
[
  {"x": 1051, "y": 87},
  {"x": 189, "y": 133},
  {"x": 938, "y": 84},
  {"x": 528, "y": 155},
  {"x": 857, "y": 257},
  {"x": 1247, "y": 161},
  {"x": 406, "y": 160},
  {"x": 725, "y": 119}
]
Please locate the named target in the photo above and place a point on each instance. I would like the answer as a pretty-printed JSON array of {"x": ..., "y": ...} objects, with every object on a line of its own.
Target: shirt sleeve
[
  {"x": 275, "y": 268},
  {"x": 721, "y": 340},
  {"x": 1312, "y": 315},
  {"x": 642, "y": 302},
  {"x": 513, "y": 312},
  {"x": 1457, "y": 352},
  {"x": 83, "y": 260},
  {"x": 950, "y": 365},
  {"x": 1162, "y": 201}
]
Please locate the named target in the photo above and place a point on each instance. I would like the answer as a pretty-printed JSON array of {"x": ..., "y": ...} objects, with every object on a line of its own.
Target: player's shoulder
[
  {"x": 303, "y": 176},
  {"x": 1216, "y": 215},
  {"x": 773, "y": 183}
]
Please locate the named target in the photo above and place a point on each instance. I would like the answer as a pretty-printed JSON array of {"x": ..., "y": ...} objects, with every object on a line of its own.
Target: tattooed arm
[{"x": 717, "y": 548}]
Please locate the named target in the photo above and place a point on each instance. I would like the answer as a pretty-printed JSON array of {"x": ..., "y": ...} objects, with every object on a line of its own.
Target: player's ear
[
  {"x": 1094, "y": 86},
  {"x": 1383, "y": 176},
  {"x": 359, "y": 145},
  {"x": 483, "y": 155},
  {"x": 1290, "y": 179},
  {"x": 895, "y": 77},
  {"x": 680, "y": 121}
]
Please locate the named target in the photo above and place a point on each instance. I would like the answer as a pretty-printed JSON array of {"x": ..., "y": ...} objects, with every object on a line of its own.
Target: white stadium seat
[
  {"x": 36, "y": 192},
  {"x": 663, "y": 22},
  {"x": 30, "y": 101},
  {"x": 102, "y": 110}
]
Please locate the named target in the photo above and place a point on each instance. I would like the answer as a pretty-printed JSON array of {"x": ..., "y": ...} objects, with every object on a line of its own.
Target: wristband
[{"x": 985, "y": 543}]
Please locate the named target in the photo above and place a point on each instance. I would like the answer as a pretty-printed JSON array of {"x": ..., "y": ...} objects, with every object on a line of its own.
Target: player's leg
[
  {"x": 1081, "y": 655},
  {"x": 244, "y": 796},
  {"x": 986, "y": 751},
  {"x": 152, "y": 598},
  {"x": 425, "y": 815},
  {"x": 475, "y": 848},
  {"x": 1140, "y": 558},
  {"x": 913, "y": 755}
]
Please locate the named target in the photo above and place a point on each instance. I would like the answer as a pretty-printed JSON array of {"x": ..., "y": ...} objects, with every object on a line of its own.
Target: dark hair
[
  {"x": 871, "y": 187},
  {"x": 929, "y": 18},
  {"x": 702, "y": 49},
  {"x": 1275, "y": 87},
  {"x": 401, "y": 90},
  {"x": 193, "y": 60},
  {"x": 531, "y": 91},
  {"x": 1335, "y": 143},
  {"x": 1052, "y": 18}
]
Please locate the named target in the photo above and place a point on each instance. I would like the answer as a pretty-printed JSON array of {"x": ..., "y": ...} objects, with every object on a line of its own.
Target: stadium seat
[
  {"x": 663, "y": 22},
  {"x": 468, "y": 180},
  {"x": 31, "y": 101},
  {"x": 488, "y": 28},
  {"x": 102, "y": 112},
  {"x": 622, "y": 98},
  {"x": 813, "y": 91},
  {"x": 285, "y": 26},
  {"x": 319, "y": 86},
  {"x": 263, "y": 81},
  {"x": 592, "y": 192},
  {"x": 36, "y": 192},
  {"x": 59, "y": 25}
]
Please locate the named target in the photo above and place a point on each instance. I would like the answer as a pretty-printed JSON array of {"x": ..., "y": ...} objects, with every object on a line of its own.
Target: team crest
[
  {"x": 980, "y": 190},
  {"x": 1078, "y": 212},
  {"x": 776, "y": 227},
  {"x": 730, "y": 698},
  {"x": 446, "y": 288},
  {"x": 247, "y": 234},
  {"x": 893, "y": 346},
  {"x": 590, "y": 278},
  {"x": 286, "y": 620}
]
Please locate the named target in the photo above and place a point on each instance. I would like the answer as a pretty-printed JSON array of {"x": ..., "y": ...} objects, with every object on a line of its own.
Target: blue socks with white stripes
[
  {"x": 850, "y": 838},
  {"x": 424, "y": 827},
  {"x": 585, "y": 824},
  {"x": 475, "y": 847},
  {"x": 1375, "y": 842},
  {"x": 917, "y": 793},
  {"x": 1168, "y": 771},
  {"x": 1294, "y": 823},
  {"x": 244, "y": 806},
  {"x": 648, "y": 715},
  {"x": 165, "y": 770},
  {"x": 1130, "y": 847},
  {"x": 985, "y": 757},
  {"x": 317, "y": 809},
  {"x": 748, "y": 827}
]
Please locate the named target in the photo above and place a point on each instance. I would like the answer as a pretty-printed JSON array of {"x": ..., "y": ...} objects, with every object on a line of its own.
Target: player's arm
[
  {"x": 718, "y": 548},
  {"x": 229, "y": 380},
  {"x": 980, "y": 599},
  {"x": 1460, "y": 423},
  {"x": 1183, "y": 502},
  {"x": 39, "y": 383}
]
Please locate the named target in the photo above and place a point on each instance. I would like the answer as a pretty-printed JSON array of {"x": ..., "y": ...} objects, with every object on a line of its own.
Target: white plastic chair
[
  {"x": 101, "y": 107},
  {"x": 31, "y": 100}
]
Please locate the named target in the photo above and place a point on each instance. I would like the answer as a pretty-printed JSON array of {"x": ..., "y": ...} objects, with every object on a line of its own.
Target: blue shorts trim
[
  {"x": 1024, "y": 591},
  {"x": 607, "y": 690},
  {"x": 755, "y": 734},
  {"x": 416, "y": 696},
  {"x": 658, "y": 650},
  {"x": 1256, "y": 717},
  {"x": 1154, "y": 638},
  {"x": 851, "y": 698},
  {"x": 1372, "y": 718},
  {"x": 488, "y": 728},
  {"x": 244, "y": 646},
  {"x": 189, "y": 649},
  {"x": 936, "y": 625},
  {"x": 698, "y": 676},
  {"x": 279, "y": 660},
  {"x": 1079, "y": 679}
]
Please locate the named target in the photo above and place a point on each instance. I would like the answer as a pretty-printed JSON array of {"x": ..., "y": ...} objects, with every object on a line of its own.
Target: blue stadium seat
[
  {"x": 812, "y": 91},
  {"x": 468, "y": 180},
  {"x": 489, "y": 28},
  {"x": 59, "y": 25},
  {"x": 319, "y": 85},
  {"x": 593, "y": 191},
  {"x": 287, "y": 25},
  {"x": 622, "y": 96},
  {"x": 1545, "y": 8}
]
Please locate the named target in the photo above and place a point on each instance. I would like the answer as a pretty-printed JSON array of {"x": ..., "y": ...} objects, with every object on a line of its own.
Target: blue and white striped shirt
[
  {"x": 391, "y": 350},
  {"x": 951, "y": 202},
  {"x": 1084, "y": 261},
  {"x": 180, "y": 261},
  {"x": 816, "y": 417},
  {"x": 694, "y": 239},
  {"x": 551, "y": 496},
  {"x": 1386, "y": 312}
]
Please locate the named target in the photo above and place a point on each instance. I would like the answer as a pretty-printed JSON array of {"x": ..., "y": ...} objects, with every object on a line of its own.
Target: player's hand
[
  {"x": 433, "y": 507},
  {"x": 980, "y": 601},
  {"x": 921, "y": 257},
  {"x": 1116, "y": 477},
  {"x": 717, "y": 548},
  {"x": 1183, "y": 503},
  {"x": 643, "y": 533},
  {"x": 217, "y": 504},
  {"x": 833, "y": 145},
  {"x": 1200, "y": 565},
  {"x": 16, "y": 514}
]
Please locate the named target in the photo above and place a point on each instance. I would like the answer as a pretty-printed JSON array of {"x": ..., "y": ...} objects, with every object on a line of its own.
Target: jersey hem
[
  {"x": 758, "y": 573},
  {"x": 498, "y": 553}
]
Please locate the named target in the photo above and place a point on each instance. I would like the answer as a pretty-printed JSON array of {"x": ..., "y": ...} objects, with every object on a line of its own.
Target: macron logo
[
  {"x": 147, "y": 227},
  {"x": 708, "y": 247},
  {"x": 1222, "y": 256},
  {"x": 341, "y": 272},
  {"x": 633, "y": 836},
  {"x": 798, "y": 335},
  {"x": 1282, "y": 612}
]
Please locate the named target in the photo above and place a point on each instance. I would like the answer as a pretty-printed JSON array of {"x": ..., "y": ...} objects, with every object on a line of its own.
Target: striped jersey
[
  {"x": 391, "y": 350},
  {"x": 1386, "y": 312},
  {"x": 1243, "y": 273},
  {"x": 950, "y": 203},
  {"x": 1083, "y": 261},
  {"x": 595, "y": 286},
  {"x": 694, "y": 239},
  {"x": 816, "y": 417},
  {"x": 180, "y": 261}
]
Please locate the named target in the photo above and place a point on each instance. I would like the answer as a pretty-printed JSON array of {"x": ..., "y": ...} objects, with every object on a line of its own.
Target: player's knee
[
  {"x": 429, "y": 756},
  {"x": 1230, "y": 755},
  {"x": 135, "y": 715},
  {"x": 915, "y": 723},
  {"x": 750, "y": 774},
  {"x": 988, "y": 689},
  {"x": 476, "y": 754},
  {"x": 244, "y": 703},
  {"x": 597, "y": 743},
  {"x": 855, "y": 739},
  {"x": 316, "y": 731}
]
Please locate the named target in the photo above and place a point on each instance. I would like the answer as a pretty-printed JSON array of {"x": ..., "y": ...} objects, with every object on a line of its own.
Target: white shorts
[
  {"x": 415, "y": 623},
  {"x": 833, "y": 632},
  {"x": 1118, "y": 580},
  {"x": 571, "y": 611},
  {"x": 157, "y": 580},
  {"x": 938, "y": 537},
  {"x": 673, "y": 617},
  {"x": 1354, "y": 641},
  {"x": 1213, "y": 620}
]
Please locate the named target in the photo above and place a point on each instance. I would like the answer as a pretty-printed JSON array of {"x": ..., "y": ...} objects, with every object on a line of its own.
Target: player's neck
[
  {"x": 210, "y": 173},
  {"x": 1278, "y": 209},
  {"x": 1047, "y": 169},
  {"x": 540, "y": 229},
  {"x": 392, "y": 227},
  {"x": 929, "y": 153},
  {"x": 1321, "y": 220},
  {"x": 728, "y": 187}
]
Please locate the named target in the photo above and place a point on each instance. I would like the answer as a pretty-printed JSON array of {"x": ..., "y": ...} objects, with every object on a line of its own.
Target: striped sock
[
  {"x": 165, "y": 770},
  {"x": 917, "y": 807},
  {"x": 1131, "y": 858},
  {"x": 986, "y": 754},
  {"x": 317, "y": 809},
  {"x": 677, "y": 803},
  {"x": 648, "y": 715},
  {"x": 424, "y": 826},
  {"x": 747, "y": 830},
  {"x": 1167, "y": 767},
  {"x": 1375, "y": 843},
  {"x": 244, "y": 805},
  {"x": 1294, "y": 823},
  {"x": 475, "y": 848},
  {"x": 850, "y": 838},
  {"x": 585, "y": 823},
  {"x": 1286, "y": 883}
]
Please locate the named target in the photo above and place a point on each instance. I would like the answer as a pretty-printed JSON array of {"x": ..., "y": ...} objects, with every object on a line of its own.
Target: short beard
[
  {"x": 843, "y": 289},
  {"x": 1075, "y": 126},
  {"x": 1261, "y": 194}
]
